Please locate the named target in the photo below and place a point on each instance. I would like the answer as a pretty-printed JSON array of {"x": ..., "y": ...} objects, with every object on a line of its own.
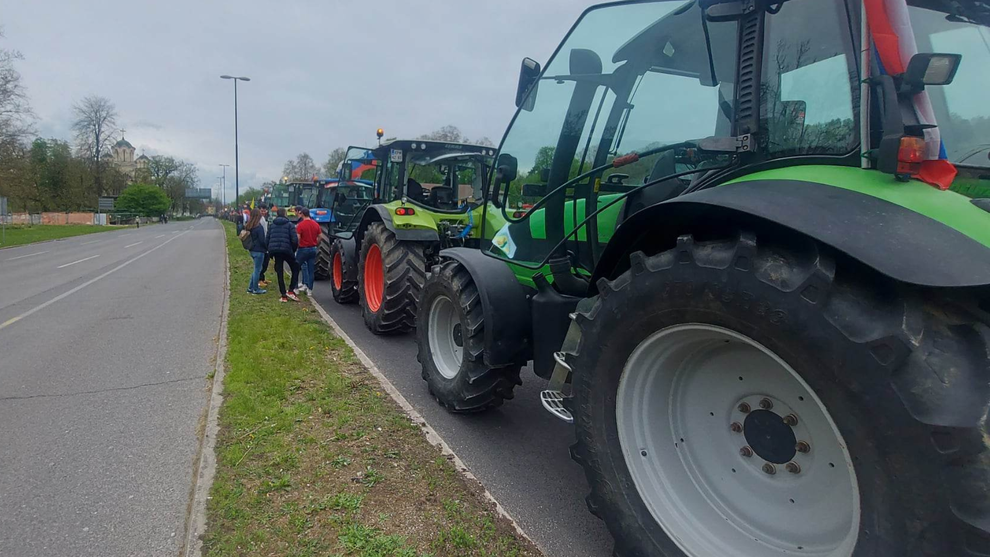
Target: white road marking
[
  {"x": 80, "y": 261},
  {"x": 87, "y": 243},
  {"x": 28, "y": 255},
  {"x": 134, "y": 244},
  {"x": 62, "y": 296},
  {"x": 159, "y": 236}
]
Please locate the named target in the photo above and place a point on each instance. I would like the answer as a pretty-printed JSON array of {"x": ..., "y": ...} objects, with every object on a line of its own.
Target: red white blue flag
[{"x": 893, "y": 37}]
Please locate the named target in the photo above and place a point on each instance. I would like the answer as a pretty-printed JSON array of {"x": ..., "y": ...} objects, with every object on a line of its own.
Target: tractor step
[{"x": 553, "y": 401}]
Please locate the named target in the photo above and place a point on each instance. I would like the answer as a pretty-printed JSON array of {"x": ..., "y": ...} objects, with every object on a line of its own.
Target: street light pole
[
  {"x": 237, "y": 173},
  {"x": 223, "y": 191}
]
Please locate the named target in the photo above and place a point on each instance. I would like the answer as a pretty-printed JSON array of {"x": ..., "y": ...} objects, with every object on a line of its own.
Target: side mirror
[
  {"x": 507, "y": 167},
  {"x": 534, "y": 190},
  {"x": 529, "y": 76}
]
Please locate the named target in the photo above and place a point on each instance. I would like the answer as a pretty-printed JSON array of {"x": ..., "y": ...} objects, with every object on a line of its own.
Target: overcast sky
[{"x": 323, "y": 73}]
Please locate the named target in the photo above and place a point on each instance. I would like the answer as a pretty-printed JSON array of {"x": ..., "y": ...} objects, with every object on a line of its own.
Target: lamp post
[
  {"x": 223, "y": 188},
  {"x": 237, "y": 174}
]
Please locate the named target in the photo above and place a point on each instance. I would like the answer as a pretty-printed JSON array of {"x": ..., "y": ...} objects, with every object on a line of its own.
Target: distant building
[{"x": 123, "y": 158}]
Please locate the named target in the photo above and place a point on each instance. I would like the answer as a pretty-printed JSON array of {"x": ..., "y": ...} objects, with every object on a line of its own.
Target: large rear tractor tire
[
  {"x": 344, "y": 291},
  {"x": 322, "y": 266},
  {"x": 390, "y": 278},
  {"x": 451, "y": 340},
  {"x": 746, "y": 400}
]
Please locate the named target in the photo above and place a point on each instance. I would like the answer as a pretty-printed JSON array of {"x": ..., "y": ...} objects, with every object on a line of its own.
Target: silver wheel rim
[
  {"x": 446, "y": 343},
  {"x": 692, "y": 401}
]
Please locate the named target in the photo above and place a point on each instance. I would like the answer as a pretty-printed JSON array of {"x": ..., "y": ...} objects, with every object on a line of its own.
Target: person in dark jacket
[
  {"x": 282, "y": 244},
  {"x": 259, "y": 246}
]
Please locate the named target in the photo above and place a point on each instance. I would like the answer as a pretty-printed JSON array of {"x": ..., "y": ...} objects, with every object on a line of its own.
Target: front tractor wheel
[
  {"x": 322, "y": 265},
  {"x": 451, "y": 344},
  {"x": 760, "y": 401},
  {"x": 390, "y": 278},
  {"x": 344, "y": 291}
]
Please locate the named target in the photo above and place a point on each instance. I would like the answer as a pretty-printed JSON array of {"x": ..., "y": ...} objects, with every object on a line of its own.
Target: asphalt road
[
  {"x": 518, "y": 451},
  {"x": 105, "y": 343}
]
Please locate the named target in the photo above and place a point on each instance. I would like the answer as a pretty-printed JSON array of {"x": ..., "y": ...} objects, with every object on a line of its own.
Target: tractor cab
[
  {"x": 434, "y": 175},
  {"x": 675, "y": 100},
  {"x": 354, "y": 190}
]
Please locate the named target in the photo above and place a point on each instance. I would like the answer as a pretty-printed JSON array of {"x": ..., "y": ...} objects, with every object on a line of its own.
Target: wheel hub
[
  {"x": 769, "y": 437},
  {"x": 456, "y": 333},
  {"x": 772, "y": 430}
]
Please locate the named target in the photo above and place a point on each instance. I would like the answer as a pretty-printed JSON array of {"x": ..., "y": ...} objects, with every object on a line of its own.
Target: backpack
[{"x": 246, "y": 240}]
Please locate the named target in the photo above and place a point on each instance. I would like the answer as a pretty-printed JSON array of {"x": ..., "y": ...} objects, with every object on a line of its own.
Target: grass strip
[
  {"x": 314, "y": 459},
  {"x": 18, "y": 235}
]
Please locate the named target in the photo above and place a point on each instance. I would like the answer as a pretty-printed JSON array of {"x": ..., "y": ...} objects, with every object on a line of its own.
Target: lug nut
[
  {"x": 790, "y": 420},
  {"x": 803, "y": 447},
  {"x": 746, "y": 452},
  {"x": 766, "y": 404},
  {"x": 736, "y": 427},
  {"x": 793, "y": 467},
  {"x": 744, "y": 408},
  {"x": 769, "y": 469}
]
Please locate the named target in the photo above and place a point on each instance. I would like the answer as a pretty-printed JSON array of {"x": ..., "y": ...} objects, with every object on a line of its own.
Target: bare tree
[
  {"x": 333, "y": 160},
  {"x": 95, "y": 127},
  {"x": 16, "y": 116},
  {"x": 447, "y": 133},
  {"x": 289, "y": 170},
  {"x": 303, "y": 168},
  {"x": 160, "y": 169}
]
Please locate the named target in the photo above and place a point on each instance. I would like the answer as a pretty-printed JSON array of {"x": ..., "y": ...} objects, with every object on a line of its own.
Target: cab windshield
[
  {"x": 663, "y": 75},
  {"x": 307, "y": 195},
  {"x": 961, "y": 109},
  {"x": 280, "y": 195}
]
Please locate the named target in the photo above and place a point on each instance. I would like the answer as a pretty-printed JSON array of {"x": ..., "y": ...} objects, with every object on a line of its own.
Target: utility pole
[{"x": 223, "y": 189}]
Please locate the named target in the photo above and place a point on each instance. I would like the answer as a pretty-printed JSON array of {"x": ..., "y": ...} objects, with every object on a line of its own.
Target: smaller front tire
[
  {"x": 322, "y": 265},
  {"x": 344, "y": 291},
  {"x": 451, "y": 340}
]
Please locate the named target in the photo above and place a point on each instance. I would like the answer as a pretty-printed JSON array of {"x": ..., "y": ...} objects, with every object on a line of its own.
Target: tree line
[{"x": 58, "y": 174}]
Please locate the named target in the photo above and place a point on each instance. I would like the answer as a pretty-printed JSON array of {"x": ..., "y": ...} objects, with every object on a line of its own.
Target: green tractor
[
  {"x": 706, "y": 231},
  {"x": 395, "y": 207}
]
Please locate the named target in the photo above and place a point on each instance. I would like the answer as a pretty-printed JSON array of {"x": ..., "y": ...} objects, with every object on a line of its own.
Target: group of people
[{"x": 285, "y": 243}]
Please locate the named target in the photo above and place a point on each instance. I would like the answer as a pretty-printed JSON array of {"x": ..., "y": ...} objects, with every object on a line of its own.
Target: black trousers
[
  {"x": 289, "y": 259},
  {"x": 264, "y": 266}
]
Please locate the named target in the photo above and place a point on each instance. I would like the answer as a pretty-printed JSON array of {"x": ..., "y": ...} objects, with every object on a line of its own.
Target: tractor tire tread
[
  {"x": 477, "y": 387},
  {"x": 935, "y": 356}
]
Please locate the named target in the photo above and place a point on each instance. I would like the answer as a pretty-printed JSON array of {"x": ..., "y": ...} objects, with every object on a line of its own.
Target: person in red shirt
[{"x": 309, "y": 236}]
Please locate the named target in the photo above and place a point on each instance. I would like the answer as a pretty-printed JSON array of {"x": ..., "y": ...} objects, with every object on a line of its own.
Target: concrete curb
[
  {"x": 432, "y": 436},
  {"x": 206, "y": 462}
]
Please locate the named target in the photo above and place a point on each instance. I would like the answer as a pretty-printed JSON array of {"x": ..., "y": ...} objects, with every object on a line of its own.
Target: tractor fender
[
  {"x": 895, "y": 241},
  {"x": 381, "y": 213},
  {"x": 505, "y": 303}
]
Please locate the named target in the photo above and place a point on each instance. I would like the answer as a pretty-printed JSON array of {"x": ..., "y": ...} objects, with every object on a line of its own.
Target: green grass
[
  {"x": 18, "y": 235},
  {"x": 313, "y": 459}
]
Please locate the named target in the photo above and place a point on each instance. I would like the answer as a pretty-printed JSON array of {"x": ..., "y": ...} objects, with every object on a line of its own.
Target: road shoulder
[{"x": 313, "y": 457}]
